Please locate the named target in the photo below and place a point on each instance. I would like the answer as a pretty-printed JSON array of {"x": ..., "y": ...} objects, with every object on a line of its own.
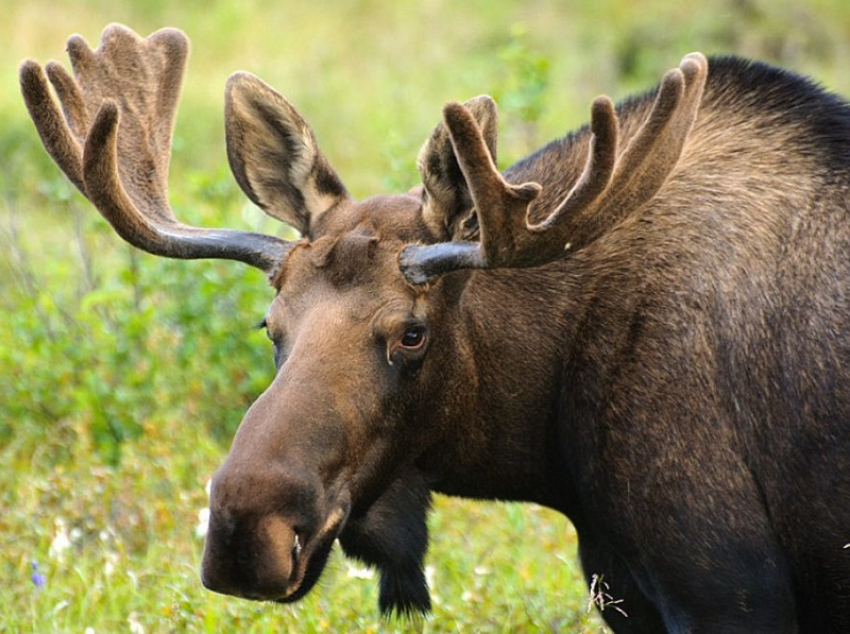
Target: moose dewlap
[{"x": 645, "y": 325}]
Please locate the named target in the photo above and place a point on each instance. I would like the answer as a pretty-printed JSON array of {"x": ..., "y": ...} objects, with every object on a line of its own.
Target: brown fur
[{"x": 676, "y": 383}]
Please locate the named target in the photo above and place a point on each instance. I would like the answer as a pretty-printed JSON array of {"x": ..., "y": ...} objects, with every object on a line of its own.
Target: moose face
[{"x": 352, "y": 344}]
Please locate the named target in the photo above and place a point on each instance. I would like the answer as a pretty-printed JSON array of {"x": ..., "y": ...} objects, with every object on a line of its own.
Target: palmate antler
[
  {"x": 114, "y": 141},
  {"x": 609, "y": 188}
]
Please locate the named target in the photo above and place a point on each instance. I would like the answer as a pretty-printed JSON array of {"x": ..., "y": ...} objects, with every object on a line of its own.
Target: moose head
[{"x": 393, "y": 323}]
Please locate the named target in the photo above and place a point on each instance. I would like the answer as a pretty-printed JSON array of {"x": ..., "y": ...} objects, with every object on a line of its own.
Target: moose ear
[
  {"x": 448, "y": 202},
  {"x": 274, "y": 156}
]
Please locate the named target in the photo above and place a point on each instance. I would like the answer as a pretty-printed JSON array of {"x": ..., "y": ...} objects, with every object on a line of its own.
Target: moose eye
[
  {"x": 406, "y": 343},
  {"x": 277, "y": 343},
  {"x": 264, "y": 326},
  {"x": 413, "y": 337}
]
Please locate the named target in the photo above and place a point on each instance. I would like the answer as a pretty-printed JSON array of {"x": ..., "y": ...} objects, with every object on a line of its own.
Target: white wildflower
[
  {"x": 135, "y": 626},
  {"x": 469, "y": 597},
  {"x": 357, "y": 572},
  {"x": 111, "y": 563},
  {"x": 203, "y": 524},
  {"x": 430, "y": 577},
  {"x": 61, "y": 541}
]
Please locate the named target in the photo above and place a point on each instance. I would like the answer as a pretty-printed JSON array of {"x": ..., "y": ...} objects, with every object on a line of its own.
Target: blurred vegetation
[{"x": 123, "y": 377}]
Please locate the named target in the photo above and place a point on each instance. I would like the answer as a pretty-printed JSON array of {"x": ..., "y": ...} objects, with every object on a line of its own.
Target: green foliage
[
  {"x": 123, "y": 377},
  {"x": 523, "y": 90},
  {"x": 136, "y": 339}
]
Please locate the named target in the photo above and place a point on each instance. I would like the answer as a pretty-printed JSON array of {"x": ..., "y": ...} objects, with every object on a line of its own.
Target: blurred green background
[{"x": 123, "y": 377}]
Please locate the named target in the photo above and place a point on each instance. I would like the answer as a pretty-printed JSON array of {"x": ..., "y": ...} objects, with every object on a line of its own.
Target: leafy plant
[{"x": 524, "y": 88}]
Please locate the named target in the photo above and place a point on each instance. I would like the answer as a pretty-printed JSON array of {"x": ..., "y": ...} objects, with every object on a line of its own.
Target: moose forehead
[{"x": 355, "y": 244}]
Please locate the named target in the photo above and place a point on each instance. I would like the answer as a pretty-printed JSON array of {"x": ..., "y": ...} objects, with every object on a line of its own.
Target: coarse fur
[
  {"x": 704, "y": 407},
  {"x": 676, "y": 381}
]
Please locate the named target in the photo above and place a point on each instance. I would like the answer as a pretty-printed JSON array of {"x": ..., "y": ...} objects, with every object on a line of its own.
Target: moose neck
[{"x": 501, "y": 441}]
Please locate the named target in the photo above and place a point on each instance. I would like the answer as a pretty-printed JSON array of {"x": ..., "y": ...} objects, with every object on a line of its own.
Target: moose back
[{"x": 643, "y": 325}]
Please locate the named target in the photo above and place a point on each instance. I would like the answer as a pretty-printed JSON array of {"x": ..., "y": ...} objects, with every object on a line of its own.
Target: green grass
[
  {"x": 123, "y": 377},
  {"x": 134, "y": 555}
]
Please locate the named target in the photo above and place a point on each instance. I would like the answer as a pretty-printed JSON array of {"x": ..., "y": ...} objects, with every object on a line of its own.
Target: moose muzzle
[{"x": 270, "y": 533}]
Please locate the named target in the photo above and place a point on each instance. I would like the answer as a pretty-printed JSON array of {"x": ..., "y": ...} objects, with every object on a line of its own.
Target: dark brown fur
[{"x": 678, "y": 384}]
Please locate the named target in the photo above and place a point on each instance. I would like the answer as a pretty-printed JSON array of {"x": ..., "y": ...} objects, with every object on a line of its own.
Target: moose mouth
[{"x": 309, "y": 559}]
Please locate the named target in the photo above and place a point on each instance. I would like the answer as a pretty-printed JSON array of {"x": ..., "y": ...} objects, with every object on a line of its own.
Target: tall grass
[{"x": 123, "y": 377}]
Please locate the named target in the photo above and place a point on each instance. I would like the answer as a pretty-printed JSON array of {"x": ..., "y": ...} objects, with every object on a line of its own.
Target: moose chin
[{"x": 644, "y": 325}]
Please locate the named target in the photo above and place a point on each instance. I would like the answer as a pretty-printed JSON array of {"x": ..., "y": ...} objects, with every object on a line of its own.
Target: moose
[{"x": 644, "y": 325}]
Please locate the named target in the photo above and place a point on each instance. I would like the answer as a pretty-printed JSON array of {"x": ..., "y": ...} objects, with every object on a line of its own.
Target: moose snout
[
  {"x": 255, "y": 562},
  {"x": 260, "y": 518},
  {"x": 270, "y": 530}
]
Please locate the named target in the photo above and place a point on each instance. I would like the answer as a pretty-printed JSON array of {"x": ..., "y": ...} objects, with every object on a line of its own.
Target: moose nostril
[
  {"x": 262, "y": 525},
  {"x": 255, "y": 559}
]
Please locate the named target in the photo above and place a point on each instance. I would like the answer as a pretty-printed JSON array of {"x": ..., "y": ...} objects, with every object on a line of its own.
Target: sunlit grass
[{"x": 122, "y": 545}]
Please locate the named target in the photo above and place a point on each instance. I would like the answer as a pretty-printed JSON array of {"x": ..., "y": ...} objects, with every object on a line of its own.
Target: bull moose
[{"x": 644, "y": 325}]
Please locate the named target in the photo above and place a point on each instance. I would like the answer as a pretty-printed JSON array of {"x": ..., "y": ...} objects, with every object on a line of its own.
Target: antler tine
[
  {"x": 502, "y": 209},
  {"x": 609, "y": 188},
  {"x": 601, "y": 163},
  {"x": 654, "y": 152},
  {"x": 501, "y": 206},
  {"x": 57, "y": 138},
  {"x": 70, "y": 97},
  {"x": 123, "y": 169}
]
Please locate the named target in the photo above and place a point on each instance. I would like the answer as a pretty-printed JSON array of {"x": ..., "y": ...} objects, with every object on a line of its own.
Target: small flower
[
  {"x": 38, "y": 579},
  {"x": 469, "y": 597},
  {"x": 430, "y": 573},
  {"x": 203, "y": 524},
  {"x": 430, "y": 579},
  {"x": 110, "y": 563},
  {"x": 61, "y": 541},
  {"x": 357, "y": 572},
  {"x": 135, "y": 626}
]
